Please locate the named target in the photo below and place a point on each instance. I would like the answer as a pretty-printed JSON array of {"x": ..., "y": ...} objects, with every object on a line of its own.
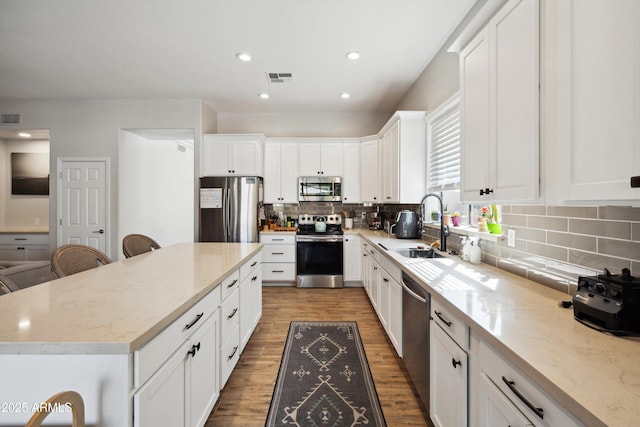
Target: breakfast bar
[{"x": 111, "y": 333}]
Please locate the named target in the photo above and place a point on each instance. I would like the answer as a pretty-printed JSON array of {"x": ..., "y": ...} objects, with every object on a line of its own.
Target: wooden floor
[{"x": 245, "y": 399}]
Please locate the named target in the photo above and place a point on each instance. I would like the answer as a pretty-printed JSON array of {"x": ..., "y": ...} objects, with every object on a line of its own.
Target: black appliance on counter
[
  {"x": 319, "y": 250},
  {"x": 609, "y": 302}
]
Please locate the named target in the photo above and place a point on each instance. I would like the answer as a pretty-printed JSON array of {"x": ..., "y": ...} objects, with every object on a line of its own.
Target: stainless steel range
[{"x": 319, "y": 250}]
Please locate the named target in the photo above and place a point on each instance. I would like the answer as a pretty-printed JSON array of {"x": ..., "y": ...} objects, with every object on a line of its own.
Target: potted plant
[
  {"x": 491, "y": 215},
  {"x": 456, "y": 218}
]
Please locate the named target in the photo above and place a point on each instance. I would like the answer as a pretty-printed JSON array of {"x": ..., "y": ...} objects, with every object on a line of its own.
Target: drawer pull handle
[
  {"x": 235, "y": 349},
  {"x": 385, "y": 280},
  {"x": 232, "y": 284},
  {"x": 512, "y": 385},
  {"x": 253, "y": 264},
  {"x": 455, "y": 362},
  {"x": 277, "y": 271},
  {"x": 277, "y": 240},
  {"x": 439, "y": 314},
  {"x": 20, "y": 238},
  {"x": 233, "y": 313},
  {"x": 194, "y": 349},
  {"x": 254, "y": 278},
  {"x": 194, "y": 321},
  {"x": 277, "y": 253}
]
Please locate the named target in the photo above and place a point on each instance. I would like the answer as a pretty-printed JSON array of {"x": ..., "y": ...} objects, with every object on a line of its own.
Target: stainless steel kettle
[{"x": 407, "y": 225}]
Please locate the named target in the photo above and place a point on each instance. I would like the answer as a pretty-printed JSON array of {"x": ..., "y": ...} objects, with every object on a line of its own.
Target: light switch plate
[{"x": 511, "y": 238}]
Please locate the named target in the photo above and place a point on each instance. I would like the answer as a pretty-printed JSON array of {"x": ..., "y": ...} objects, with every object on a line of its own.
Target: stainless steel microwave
[{"x": 320, "y": 189}]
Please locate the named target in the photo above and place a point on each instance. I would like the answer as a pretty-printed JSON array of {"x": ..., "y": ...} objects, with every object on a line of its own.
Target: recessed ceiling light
[
  {"x": 24, "y": 134},
  {"x": 345, "y": 95},
  {"x": 264, "y": 95},
  {"x": 353, "y": 55},
  {"x": 243, "y": 56}
]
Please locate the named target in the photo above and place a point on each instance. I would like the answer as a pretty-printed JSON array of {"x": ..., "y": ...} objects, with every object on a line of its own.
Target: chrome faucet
[{"x": 444, "y": 230}]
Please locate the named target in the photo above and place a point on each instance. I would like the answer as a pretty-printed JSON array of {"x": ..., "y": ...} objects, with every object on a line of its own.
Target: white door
[{"x": 82, "y": 203}]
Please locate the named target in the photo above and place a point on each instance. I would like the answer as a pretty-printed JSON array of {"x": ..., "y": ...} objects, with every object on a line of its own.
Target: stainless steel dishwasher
[{"x": 415, "y": 335}]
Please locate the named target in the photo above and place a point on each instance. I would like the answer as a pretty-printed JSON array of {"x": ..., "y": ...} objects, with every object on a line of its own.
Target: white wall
[
  {"x": 330, "y": 125},
  {"x": 20, "y": 211},
  {"x": 154, "y": 197},
  {"x": 91, "y": 128}
]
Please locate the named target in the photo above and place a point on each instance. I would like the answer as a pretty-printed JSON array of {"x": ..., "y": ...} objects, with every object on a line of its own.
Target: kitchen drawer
[
  {"x": 452, "y": 325},
  {"x": 392, "y": 269},
  {"x": 229, "y": 355},
  {"x": 249, "y": 266},
  {"x": 149, "y": 358},
  {"x": 278, "y": 272},
  {"x": 229, "y": 315},
  {"x": 24, "y": 239},
  {"x": 230, "y": 284},
  {"x": 277, "y": 238},
  {"x": 500, "y": 371},
  {"x": 279, "y": 253}
]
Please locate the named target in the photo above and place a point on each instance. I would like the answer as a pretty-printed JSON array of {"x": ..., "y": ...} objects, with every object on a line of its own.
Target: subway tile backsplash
[{"x": 573, "y": 240}]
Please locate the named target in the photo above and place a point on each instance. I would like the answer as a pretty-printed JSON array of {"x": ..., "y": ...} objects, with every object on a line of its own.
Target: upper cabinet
[
  {"x": 320, "y": 158},
  {"x": 369, "y": 171},
  {"x": 225, "y": 155},
  {"x": 280, "y": 172},
  {"x": 499, "y": 86},
  {"x": 593, "y": 106},
  {"x": 403, "y": 158},
  {"x": 351, "y": 175}
]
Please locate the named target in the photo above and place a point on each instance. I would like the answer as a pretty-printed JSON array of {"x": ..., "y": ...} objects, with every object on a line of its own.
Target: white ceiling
[{"x": 186, "y": 49}]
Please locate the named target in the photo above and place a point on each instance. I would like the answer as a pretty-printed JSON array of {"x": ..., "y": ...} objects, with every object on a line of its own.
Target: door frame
[{"x": 107, "y": 203}]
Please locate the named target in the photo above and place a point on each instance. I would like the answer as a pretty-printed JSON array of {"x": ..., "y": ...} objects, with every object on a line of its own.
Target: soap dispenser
[
  {"x": 464, "y": 250},
  {"x": 475, "y": 253}
]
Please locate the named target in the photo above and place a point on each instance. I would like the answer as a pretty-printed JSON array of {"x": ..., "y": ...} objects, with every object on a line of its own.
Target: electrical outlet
[
  {"x": 511, "y": 238},
  {"x": 37, "y": 221}
]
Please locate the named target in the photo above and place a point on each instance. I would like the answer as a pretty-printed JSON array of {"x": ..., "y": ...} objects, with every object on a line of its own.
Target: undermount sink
[{"x": 418, "y": 253}]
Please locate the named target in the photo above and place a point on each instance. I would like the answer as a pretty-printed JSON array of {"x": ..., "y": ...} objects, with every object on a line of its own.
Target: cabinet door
[
  {"x": 516, "y": 84},
  {"x": 203, "y": 388},
  {"x": 495, "y": 409},
  {"x": 395, "y": 315},
  {"x": 475, "y": 117},
  {"x": 598, "y": 98},
  {"x": 331, "y": 157},
  {"x": 352, "y": 254},
  {"x": 448, "y": 380},
  {"x": 390, "y": 166},
  {"x": 161, "y": 401},
  {"x": 216, "y": 155},
  {"x": 247, "y": 156},
  {"x": 13, "y": 253},
  {"x": 309, "y": 159},
  {"x": 351, "y": 174},
  {"x": 369, "y": 172},
  {"x": 256, "y": 297},
  {"x": 289, "y": 173},
  {"x": 272, "y": 173}
]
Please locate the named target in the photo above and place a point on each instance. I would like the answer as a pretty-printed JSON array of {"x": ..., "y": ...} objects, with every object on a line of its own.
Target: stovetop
[{"x": 307, "y": 225}]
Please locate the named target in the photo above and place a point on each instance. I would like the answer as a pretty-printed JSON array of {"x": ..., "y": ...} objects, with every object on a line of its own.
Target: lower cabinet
[
  {"x": 351, "y": 258},
  {"x": 279, "y": 261},
  {"x": 184, "y": 390},
  {"x": 494, "y": 409},
  {"x": 250, "y": 298}
]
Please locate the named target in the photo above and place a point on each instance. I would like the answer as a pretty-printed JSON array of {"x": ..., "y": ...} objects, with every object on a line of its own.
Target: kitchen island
[
  {"x": 592, "y": 376},
  {"x": 106, "y": 331}
]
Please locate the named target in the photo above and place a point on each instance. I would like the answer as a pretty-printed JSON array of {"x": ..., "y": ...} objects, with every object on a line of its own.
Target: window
[{"x": 443, "y": 146}]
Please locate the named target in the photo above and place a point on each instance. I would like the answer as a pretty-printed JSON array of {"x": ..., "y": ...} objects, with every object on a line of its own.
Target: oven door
[{"x": 319, "y": 261}]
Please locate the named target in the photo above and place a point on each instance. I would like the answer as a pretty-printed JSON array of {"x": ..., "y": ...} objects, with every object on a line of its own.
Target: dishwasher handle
[{"x": 413, "y": 294}]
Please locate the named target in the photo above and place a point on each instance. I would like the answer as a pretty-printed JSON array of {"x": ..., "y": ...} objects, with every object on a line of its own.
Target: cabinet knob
[
  {"x": 455, "y": 362},
  {"x": 486, "y": 191}
]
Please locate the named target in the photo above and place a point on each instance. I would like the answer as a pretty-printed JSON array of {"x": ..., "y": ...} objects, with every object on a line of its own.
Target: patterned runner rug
[{"x": 324, "y": 379}]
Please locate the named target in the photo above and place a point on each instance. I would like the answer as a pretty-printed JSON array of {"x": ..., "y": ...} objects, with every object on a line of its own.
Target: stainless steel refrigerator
[{"x": 229, "y": 208}]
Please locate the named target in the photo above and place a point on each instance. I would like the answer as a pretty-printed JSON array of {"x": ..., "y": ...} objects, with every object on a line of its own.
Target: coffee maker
[{"x": 374, "y": 220}]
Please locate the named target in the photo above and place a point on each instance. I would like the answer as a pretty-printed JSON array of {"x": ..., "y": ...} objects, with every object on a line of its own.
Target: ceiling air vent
[
  {"x": 10, "y": 119},
  {"x": 280, "y": 77}
]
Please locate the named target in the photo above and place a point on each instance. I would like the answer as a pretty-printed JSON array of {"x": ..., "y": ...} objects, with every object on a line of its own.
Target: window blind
[{"x": 443, "y": 136}]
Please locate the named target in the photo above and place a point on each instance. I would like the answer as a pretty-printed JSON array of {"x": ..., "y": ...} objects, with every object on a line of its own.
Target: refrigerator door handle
[{"x": 227, "y": 213}]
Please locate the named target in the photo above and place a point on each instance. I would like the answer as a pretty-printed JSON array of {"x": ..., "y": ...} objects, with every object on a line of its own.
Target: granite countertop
[
  {"x": 593, "y": 375},
  {"x": 118, "y": 307}
]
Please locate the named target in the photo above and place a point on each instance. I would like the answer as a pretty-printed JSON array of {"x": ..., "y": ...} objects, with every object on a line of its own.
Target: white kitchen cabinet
[
  {"x": 502, "y": 391},
  {"x": 365, "y": 268},
  {"x": 229, "y": 326},
  {"x": 403, "y": 158},
  {"x": 448, "y": 380},
  {"x": 499, "y": 86},
  {"x": 449, "y": 367},
  {"x": 320, "y": 158},
  {"x": 250, "y": 298},
  {"x": 279, "y": 257},
  {"x": 369, "y": 171},
  {"x": 351, "y": 175},
  {"x": 24, "y": 247},
  {"x": 280, "y": 172},
  {"x": 202, "y": 372},
  {"x": 391, "y": 301},
  {"x": 226, "y": 155},
  {"x": 594, "y": 99},
  {"x": 351, "y": 258}
]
